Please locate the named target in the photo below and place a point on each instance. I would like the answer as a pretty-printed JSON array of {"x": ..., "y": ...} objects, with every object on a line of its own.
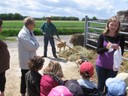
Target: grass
[
  {"x": 11, "y": 28},
  {"x": 59, "y": 24},
  {"x": 7, "y": 38}
]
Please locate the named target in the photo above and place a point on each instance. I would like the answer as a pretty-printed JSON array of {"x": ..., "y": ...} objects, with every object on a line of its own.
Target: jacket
[
  {"x": 27, "y": 46},
  {"x": 4, "y": 57},
  {"x": 49, "y": 29},
  {"x": 33, "y": 83},
  {"x": 47, "y": 82}
]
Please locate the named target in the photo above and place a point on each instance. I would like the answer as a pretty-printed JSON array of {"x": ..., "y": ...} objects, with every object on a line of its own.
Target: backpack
[
  {"x": 78, "y": 90},
  {"x": 91, "y": 92},
  {"x": 74, "y": 88}
]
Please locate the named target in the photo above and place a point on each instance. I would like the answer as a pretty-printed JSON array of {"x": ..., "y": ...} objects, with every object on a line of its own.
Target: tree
[
  {"x": 94, "y": 18},
  {"x": 17, "y": 16},
  {"x": 10, "y": 16}
]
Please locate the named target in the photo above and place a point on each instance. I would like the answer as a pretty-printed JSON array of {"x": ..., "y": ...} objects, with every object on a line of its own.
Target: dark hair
[
  {"x": 36, "y": 63},
  {"x": 85, "y": 74},
  {"x": 1, "y": 22}
]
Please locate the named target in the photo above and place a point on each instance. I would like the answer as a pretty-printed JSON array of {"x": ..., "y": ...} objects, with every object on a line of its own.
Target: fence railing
[{"x": 92, "y": 31}]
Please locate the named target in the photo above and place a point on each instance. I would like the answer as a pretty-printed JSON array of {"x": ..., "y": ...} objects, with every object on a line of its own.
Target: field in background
[
  {"x": 11, "y": 28},
  {"x": 59, "y": 24}
]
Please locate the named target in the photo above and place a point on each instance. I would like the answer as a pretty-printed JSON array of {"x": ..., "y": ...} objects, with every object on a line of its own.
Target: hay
[
  {"x": 77, "y": 40},
  {"x": 73, "y": 55}
]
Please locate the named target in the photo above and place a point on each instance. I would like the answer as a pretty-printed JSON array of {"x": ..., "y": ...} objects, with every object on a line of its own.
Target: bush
[{"x": 10, "y": 32}]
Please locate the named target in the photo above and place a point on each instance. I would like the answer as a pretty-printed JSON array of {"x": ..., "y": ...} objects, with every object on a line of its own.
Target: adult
[
  {"x": 49, "y": 29},
  {"x": 27, "y": 46},
  {"x": 109, "y": 39},
  {"x": 4, "y": 63}
]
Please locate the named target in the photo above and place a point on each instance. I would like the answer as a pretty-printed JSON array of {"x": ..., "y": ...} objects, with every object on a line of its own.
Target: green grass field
[
  {"x": 11, "y": 28},
  {"x": 58, "y": 24}
]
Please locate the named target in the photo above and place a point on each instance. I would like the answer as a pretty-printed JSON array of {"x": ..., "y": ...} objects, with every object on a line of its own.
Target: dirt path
[{"x": 13, "y": 74}]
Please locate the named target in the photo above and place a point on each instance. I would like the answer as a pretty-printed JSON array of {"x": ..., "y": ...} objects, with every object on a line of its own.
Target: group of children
[
  {"x": 51, "y": 83},
  {"x": 41, "y": 85}
]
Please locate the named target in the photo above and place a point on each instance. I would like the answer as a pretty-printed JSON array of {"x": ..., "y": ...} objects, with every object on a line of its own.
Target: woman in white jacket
[{"x": 27, "y": 46}]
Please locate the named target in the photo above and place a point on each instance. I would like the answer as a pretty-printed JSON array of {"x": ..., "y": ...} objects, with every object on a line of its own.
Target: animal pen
[{"x": 92, "y": 31}]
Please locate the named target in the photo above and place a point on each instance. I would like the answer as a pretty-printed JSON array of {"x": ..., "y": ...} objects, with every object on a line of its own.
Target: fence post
[{"x": 85, "y": 30}]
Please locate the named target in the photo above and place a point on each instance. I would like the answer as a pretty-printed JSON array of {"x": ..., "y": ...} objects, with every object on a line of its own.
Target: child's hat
[
  {"x": 87, "y": 67},
  {"x": 116, "y": 87},
  {"x": 60, "y": 91}
]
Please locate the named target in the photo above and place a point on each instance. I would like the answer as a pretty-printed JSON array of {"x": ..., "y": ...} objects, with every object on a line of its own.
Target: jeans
[
  {"x": 103, "y": 74},
  {"x": 23, "y": 83},
  {"x": 2, "y": 81},
  {"x": 46, "y": 40}
]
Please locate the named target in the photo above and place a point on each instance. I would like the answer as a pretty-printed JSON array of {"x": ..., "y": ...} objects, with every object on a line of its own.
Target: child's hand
[
  {"x": 115, "y": 46},
  {"x": 108, "y": 45}
]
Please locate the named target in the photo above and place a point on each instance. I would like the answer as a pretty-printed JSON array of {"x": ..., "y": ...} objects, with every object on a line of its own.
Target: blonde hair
[
  {"x": 55, "y": 68},
  {"x": 28, "y": 21},
  {"x": 112, "y": 19}
]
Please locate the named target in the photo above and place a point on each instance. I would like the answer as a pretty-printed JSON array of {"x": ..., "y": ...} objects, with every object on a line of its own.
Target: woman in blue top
[{"x": 104, "y": 62}]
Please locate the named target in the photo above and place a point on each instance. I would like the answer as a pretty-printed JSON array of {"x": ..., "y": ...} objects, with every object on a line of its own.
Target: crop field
[
  {"x": 58, "y": 24},
  {"x": 11, "y": 28}
]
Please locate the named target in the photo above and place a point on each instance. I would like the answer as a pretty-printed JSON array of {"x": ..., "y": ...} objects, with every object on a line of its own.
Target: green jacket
[{"x": 49, "y": 29}]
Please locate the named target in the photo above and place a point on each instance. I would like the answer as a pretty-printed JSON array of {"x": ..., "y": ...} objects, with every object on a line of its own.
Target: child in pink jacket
[{"x": 51, "y": 78}]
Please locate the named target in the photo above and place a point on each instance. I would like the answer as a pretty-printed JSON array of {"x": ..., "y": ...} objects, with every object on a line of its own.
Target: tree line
[{"x": 17, "y": 16}]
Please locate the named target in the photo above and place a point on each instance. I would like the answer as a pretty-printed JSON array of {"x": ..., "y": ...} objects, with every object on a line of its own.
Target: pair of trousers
[
  {"x": 23, "y": 83},
  {"x": 2, "y": 81},
  {"x": 48, "y": 38},
  {"x": 104, "y": 74}
]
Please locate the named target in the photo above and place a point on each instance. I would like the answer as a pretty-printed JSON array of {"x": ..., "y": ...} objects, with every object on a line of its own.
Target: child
[
  {"x": 80, "y": 60},
  {"x": 51, "y": 78},
  {"x": 74, "y": 88},
  {"x": 109, "y": 39},
  {"x": 33, "y": 77},
  {"x": 116, "y": 87},
  {"x": 88, "y": 87},
  {"x": 60, "y": 91}
]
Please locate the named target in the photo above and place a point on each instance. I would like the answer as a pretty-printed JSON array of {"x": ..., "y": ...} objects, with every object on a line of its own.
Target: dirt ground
[{"x": 13, "y": 74}]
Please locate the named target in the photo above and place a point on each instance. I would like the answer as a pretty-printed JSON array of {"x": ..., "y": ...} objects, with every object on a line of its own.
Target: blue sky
[{"x": 102, "y": 9}]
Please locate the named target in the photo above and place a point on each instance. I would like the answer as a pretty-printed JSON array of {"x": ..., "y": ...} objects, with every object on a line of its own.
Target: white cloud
[
  {"x": 78, "y": 8},
  {"x": 56, "y": 1}
]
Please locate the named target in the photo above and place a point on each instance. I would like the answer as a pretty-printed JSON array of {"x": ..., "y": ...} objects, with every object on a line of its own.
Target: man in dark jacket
[
  {"x": 4, "y": 63},
  {"x": 49, "y": 29}
]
